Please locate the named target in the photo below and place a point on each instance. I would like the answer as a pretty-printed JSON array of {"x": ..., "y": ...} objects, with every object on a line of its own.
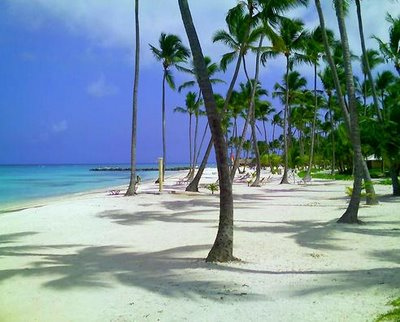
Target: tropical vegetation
[{"x": 328, "y": 109}]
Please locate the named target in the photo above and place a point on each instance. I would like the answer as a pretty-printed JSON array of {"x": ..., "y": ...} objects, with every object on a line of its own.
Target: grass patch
[
  {"x": 328, "y": 176},
  {"x": 394, "y": 314},
  {"x": 386, "y": 182}
]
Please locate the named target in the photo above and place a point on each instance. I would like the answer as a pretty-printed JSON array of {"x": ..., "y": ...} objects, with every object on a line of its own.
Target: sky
[{"x": 67, "y": 74}]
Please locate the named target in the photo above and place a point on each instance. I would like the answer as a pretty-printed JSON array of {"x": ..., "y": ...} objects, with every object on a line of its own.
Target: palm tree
[
  {"x": 295, "y": 86},
  {"x": 314, "y": 50},
  {"x": 192, "y": 107},
  {"x": 391, "y": 50},
  {"x": 351, "y": 213},
  {"x": 262, "y": 110},
  {"x": 383, "y": 81},
  {"x": 238, "y": 37},
  {"x": 290, "y": 42},
  {"x": 241, "y": 36},
  {"x": 368, "y": 62},
  {"x": 171, "y": 52},
  {"x": 336, "y": 62},
  {"x": 222, "y": 249},
  {"x": 328, "y": 84},
  {"x": 276, "y": 120},
  {"x": 133, "y": 178},
  {"x": 212, "y": 69}
]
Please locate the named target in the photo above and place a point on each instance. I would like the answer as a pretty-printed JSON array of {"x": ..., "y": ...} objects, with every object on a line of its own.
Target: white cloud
[
  {"x": 60, "y": 126},
  {"x": 100, "y": 88},
  {"x": 111, "y": 23}
]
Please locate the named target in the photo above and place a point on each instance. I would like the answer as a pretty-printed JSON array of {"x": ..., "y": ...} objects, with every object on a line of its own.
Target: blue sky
[{"x": 67, "y": 69}]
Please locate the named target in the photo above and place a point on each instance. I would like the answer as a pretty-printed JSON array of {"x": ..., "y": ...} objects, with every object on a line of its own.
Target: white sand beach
[{"x": 99, "y": 257}]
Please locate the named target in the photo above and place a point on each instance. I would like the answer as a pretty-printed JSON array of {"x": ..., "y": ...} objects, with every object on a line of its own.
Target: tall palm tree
[
  {"x": 170, "y": 53},
  {"x": 192, "y": 108},
  {"x": 295, "y": 87},
  {"x": 391, "y": 50},
  {"x": 290, "y": 42},
  {"x": 243, "y": 33},
  {"x": 238, "y": 38},
  {"x": 314, "y": 51},
  {"x": 133, "y": 178},
  {"x": 328, "y": 84},
  {"x": 367, "y": 64},
  {"x": 222, "y": 249},
  {"x": 212, "y": 69},
  {"x": 336, "y": 63},
  {"x": 351, "y": 213}
]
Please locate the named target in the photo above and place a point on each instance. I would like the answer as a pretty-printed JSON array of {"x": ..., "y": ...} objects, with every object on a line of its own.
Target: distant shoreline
[
  {"x": 139, "y": 169},
  {"x": 10, "y": 207}
]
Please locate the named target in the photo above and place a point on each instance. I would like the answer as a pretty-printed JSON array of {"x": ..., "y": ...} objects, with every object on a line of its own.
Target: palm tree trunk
[
  {"x": 251, "y": 118},
  {"x": 256, "y": 182},
  {"x": 342, "y": 103},
  {"x": 201, "y": 143},
  {"x": 194, "y": 184},
  {"x": 244, "y": 130},
  {"x": 351, "y": 213},
  {"x": 196, "y": 128},
  {"x": 190, "y": 146},
  {"x": 308, "y": 175},
  {"x": 265, "y": 133},
  {"x": 222, "y": 249},
  {"x": 366, "y": 62},
  {"x": 164, "y": 146},
  {"x": 333, "y": 166},
  {"x": 284, "y": 179},
  {"x": 394, "y": 175},
  {"x": 133, "y": 179}
]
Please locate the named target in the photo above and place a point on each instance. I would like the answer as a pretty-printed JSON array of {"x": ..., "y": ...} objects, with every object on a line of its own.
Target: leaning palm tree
[
  {"x": 170, "y": 53},
  {"x": 133, "y": 178},
  {"x": 290, "y": 42},
  {"x": 222, "y": 249},
  {"x": 391, "y": 50}
]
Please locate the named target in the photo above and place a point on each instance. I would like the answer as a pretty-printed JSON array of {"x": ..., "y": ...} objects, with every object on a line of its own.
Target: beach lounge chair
[
  {"x": 265, "y": 180},
  {"x": 115, "y": 192},
  {"x": 305, "y": 180}
]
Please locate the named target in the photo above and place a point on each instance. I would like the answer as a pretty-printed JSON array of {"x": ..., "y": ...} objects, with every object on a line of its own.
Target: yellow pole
[{"x": 160, "y": 174}]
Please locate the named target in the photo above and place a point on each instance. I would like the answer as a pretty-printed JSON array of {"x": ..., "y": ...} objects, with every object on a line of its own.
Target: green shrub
[
  {"x": 349, "y": 191},
  {"x": 394, "y": 314},
  {"x": 212, "y": 187}
]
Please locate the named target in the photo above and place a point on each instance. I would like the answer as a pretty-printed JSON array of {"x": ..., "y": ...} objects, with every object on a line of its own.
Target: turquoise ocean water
[{"x": 26, "y": 183}]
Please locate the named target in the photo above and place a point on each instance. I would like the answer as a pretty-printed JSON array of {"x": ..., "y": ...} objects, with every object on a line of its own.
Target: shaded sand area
[{"x": 99, "y": 257}]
